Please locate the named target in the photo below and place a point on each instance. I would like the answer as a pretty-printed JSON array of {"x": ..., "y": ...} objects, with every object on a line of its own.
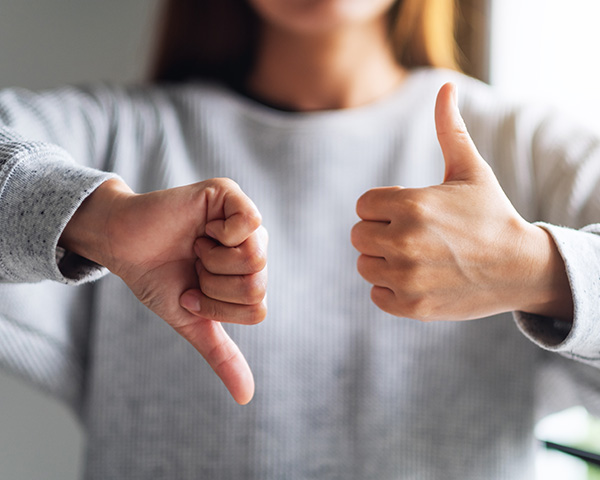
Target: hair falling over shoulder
[{"x": 217, "y": 39}]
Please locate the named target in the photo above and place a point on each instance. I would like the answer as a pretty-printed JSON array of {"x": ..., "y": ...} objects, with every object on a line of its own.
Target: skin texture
[
  {"x": 324, "y": 55},
  {"x": 317, "y": 17},
  {"x": 458, "y": 250},
  {"x": 218, "y": 274},
  {"x": 194, "y": 255}
]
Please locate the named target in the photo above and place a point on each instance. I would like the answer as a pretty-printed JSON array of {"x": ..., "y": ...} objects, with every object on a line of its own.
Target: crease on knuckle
[
  {"x": 254, "y": 289},
  {"x": 255, "y": 260},
  {"x": 383, "y": 298},
  {"x": 417, "y": 210},
  {"x": 420, "y": 308},
  {"x": 256, "y": 313},
  {"x": 407, "y": 250},
  {"x": 356, "y": 236},
  {"x": 362, "y": 203},
  {"x": 210, "y": 310},
  {"x": 363, "y": 265}
]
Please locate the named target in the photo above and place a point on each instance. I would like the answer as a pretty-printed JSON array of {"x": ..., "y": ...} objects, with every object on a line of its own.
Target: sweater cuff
[
  {"x": 580, "y": 250},
  {"x": 42, "y": 189}
]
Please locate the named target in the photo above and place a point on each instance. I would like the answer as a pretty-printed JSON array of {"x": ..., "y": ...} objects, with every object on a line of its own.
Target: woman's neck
[{"x": 350, "y": 67}]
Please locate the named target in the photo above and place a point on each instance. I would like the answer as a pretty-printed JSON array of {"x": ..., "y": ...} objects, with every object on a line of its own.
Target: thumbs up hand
[{"x": 458, "y": 250}]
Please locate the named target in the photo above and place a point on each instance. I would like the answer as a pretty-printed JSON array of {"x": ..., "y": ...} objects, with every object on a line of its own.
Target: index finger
[
  {"x": 232, "y": 217},
  {"x": 248, "y": 257},
  {"x": 376, "y": 204}
]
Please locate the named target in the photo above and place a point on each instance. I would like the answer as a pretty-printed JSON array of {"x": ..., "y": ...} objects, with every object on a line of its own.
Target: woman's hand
[
  {"x": 194, "y": 255},
  {"x": 458, "y": 250}
]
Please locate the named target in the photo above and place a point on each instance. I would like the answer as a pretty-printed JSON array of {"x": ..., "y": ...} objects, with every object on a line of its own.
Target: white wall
[
  {"x": 45, "y": 43},
  {"x": 547, "y": 50}
]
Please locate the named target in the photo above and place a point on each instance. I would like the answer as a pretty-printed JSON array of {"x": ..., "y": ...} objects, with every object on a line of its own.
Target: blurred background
[{"x": 538, "y": 50}]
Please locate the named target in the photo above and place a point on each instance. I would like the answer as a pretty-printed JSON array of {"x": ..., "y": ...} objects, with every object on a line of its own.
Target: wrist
[
  {"x": 88, "y": 233},
  {"x": 549, "y": 293}
]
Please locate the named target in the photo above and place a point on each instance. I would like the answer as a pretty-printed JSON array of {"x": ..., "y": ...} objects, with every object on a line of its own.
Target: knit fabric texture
[{"x": 344, "y": 391}]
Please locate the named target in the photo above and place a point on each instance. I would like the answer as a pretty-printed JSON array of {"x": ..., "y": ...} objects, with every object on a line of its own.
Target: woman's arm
[
  {"x": 458, "y": 250},
  {"x": 194, "y": 255}
]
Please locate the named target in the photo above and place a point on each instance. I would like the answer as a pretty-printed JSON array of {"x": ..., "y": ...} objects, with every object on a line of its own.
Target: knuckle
[
  {"x": 417, "y": 210},
  {"x": 254, "y": 287},
  {"x": 209, "y": 309},
  {"x": 356, "y": 236},
  {"x": 252, "y": 218},
  {"x": 383, "y": 298},
  {"x": 362, "y": 265},
  {"x": 256, "y": 313},
  {"x": 420, "y": 308},
  {"x": 225, "y": 183},
  {"x": 412, "y": 280},
  {"x": 205, "y": 279},
  {"x": 362, "y": 202},
  {"x": 255, "y": 260},
  {"x": 262, "y": 237},
  {"x": 204, "y": 249},
  {"x": 407, "y": 251}
]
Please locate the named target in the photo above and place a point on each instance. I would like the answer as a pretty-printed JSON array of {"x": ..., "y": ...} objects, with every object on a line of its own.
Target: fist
[
  {"x": 194, "y": 255},
  {"x": 453, "y": 251}
]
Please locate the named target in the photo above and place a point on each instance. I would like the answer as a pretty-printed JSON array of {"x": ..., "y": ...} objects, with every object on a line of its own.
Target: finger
[
  {"x": 200, "y": 305},
  {"x": 374, "y": 270},
  {"x": 223, "y": 355},
  {"x": 460, "y": 153},
  {"x": 232, "y": 216},
  {"x": 377, "y": 204},
  {"x": 238, "y": 289},
  {"x": 247, "y": 258},
  {"x": 370, "y": 238},
  {"x": 384, "y": 298}
]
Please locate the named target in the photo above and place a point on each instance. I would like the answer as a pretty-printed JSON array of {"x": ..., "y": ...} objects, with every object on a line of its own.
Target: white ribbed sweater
[{"x": 344, "y": 391}]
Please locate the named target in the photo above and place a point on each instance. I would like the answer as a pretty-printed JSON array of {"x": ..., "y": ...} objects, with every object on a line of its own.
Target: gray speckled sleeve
[
  {"x": 580, "y": 250},
  {"x": 41, "y": 183},
  {"x": 39, "y": 192}
]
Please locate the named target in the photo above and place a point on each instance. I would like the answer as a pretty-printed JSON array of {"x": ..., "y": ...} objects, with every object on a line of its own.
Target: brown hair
[{"x": 216, "y": 39}]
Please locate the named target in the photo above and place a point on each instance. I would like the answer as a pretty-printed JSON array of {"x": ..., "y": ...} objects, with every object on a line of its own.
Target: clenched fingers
[
  {"x": 200, "y": 305},
  {"x": 247, "y": 258},
  {"x": 248, "y": 289},
  {"x": 370, "y": 238}
]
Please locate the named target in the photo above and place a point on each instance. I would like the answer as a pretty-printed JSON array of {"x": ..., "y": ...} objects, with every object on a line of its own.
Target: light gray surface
[{"x": 44, "y": 44}]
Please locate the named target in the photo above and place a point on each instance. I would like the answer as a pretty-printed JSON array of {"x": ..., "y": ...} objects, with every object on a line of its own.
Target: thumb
[
  {"x": 223, "y": 355},
  {"x": 460, "y": 154}
]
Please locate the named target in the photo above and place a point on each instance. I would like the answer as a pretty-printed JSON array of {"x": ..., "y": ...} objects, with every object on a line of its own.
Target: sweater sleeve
[
  {"x": 549, "y": 166},
  {"x": 53, "y": 149},
  {"x": 580, "y": 249},
  {"x": 565, "y": 162}
]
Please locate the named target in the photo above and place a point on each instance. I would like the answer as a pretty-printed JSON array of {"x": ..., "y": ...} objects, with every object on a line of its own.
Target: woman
[{"x": 313, "y": 105}]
